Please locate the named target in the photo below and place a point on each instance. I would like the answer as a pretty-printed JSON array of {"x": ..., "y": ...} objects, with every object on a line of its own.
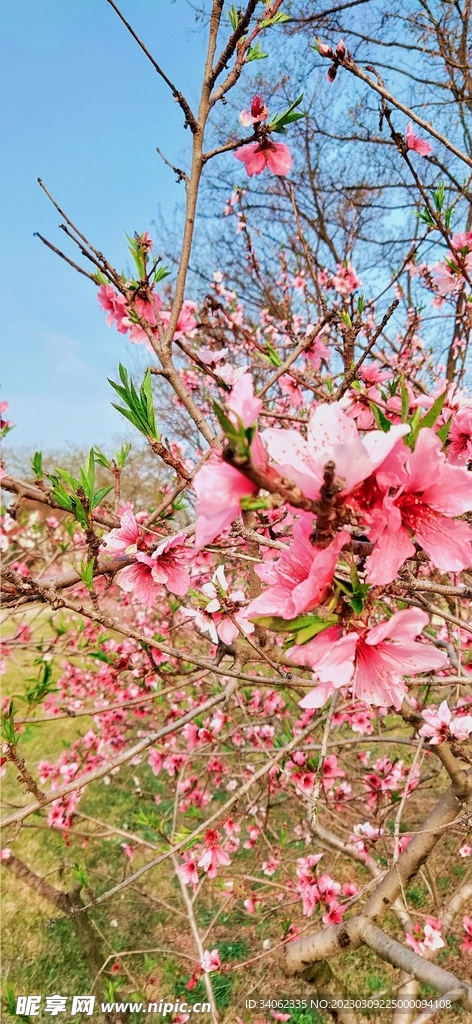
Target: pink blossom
[
  {"x": 445, "y": 282},
  {"x": 219, "y": 489},
  {"x": 123, "y": 540},
  {"x": 155, "y": 761},
  {"x": 292, "y": 390},
  {"x": 317, "y": 351},
  {"x": 334, "y": 914},
  {"x": 115, "y": 305},
  {"x": 243, "y": 402},
  {"x": 210, "y": 961},
  {"x": 328, "y": 888},
  {"x": 465, "y": 850},
  {"x": 213, "y": 855},
  {"x": 373, "y": 661},
  {"x": 256, "y": 156},
  {"x": 144, "y": 576},
  {"x": 270, "y": 866},
  {"x": 460, "y": 437},
  {"x": 226, "y": 628},
  {"x": 346, "y": 280},
  {"x": 169, "y": 567},
  {"x": 300, "y": 578},
  {"x": 250, "y": 904},
  {"x": 258, "y": 112},
  {"x": 128, "y": 850},
  {"x": 462, "y": 240},
  {"x": 416, "y": 143},
  {"x": 431, "y": 492},
  {"x": 5, "y": 854},
  {"x": 432, "y": 934},
  {"x": 461, "y": 728},
  {"x": 437, "y": 724},
  {"x": 188, "y": 870},
  {"x": 331, "y": 436},
  {"x": 415, "y": 943}
]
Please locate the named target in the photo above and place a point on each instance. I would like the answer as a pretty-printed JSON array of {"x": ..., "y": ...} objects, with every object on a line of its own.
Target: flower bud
[
  {"x": 341, "y": 50},
  {"x": 325, "y": 50}
]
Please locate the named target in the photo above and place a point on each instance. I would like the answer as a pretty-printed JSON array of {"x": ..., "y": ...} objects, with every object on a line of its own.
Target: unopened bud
[
  {"x": 332, "y": 72},
  {"x": 325, "y": 50},
  {"x": 341, "y": 49}
]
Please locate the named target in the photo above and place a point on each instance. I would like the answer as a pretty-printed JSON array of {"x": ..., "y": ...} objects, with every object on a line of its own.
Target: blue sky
[{"x": 83, "y": 109}]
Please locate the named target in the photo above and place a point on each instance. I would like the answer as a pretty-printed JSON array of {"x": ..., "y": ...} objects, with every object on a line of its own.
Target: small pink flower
[
  {"x": 5, "y": 854},
  {"x": 256, "y": 115},
  {"x": 416, "y": 143},
  {"x": 334, "y": 914},
  {"x": 169, "y": 567},
  {"x": 218, "y": 480},
  {"x": 461, "y": 728},
  {"x": 243, "y": 402},
  {"x": 299, "y": 580},
  {"x": 465, "y": 851},
  {"x": 128, "y": 850},
  {"x": 210, "y": 961},
  {"x": 372, "y": 662},
  {"x": 188, "y": 871},
  {"x": 292, "y": 390},
  {"x": 250, "y": 904},
  {"x": 432, "y": 934},
  {"x": 270, "y": 866},
  {"x": 137, "y": 579},
  {"x": 437, "y": 724},
  {"x": 256, "y": 156},
  {"x": 123, "y": 540},
  {"x": 459, "y": 449},
  {"x": 144, "y": 576},
  {"x": 213, "y": 855},
  {"x": 155, "y": 761}
]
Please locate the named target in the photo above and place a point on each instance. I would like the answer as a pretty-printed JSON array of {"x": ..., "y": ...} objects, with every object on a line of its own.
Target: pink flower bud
[
  {"x": 325, "y": 50},
  {"x": 341, "y": 50},
  {"x": 332, "y": 72}
]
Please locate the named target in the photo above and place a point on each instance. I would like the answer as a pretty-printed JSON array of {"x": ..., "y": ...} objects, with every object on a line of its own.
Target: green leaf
[
  {"x": 360, "y": 305},
  {"x": 138, "y": 409},
  {"x": 255, "y": 53},
  {"x": 37, "y": 465},
  {"x": 315, "y": 627},
  {"x": 429, "y": 419},
  {"x": 304, "y": 627},
  {"x": 443, "y": 432},
  {"x": 287, "y": 116},
  {"x": 99, "y": 496},
  {"x": 8, "y": 724},
  {"x": 233, "y": 17},
  {"x": 79, "y": 875},
  {"x": 405, "y": 400},
  {"x": 272, "y": 355},
  {"x": 160, "y": 274},
  {"x": 438, "y": 197},
  {"x": 425, "y": 216},
  {"x": 380, "y": 418},
  {"x": 277, "y": 19},
  {"x": 101, "y": 458},
  {"x": 121, "y": 457}
]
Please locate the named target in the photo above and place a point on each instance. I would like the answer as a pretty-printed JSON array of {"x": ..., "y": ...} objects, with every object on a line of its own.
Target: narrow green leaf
[{"x": 380, "y": 418}]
